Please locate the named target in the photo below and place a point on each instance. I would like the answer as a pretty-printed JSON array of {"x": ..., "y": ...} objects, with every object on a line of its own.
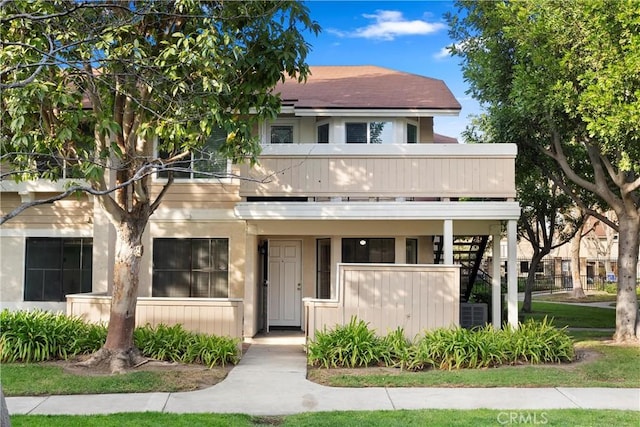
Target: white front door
[{"x": 285, "y": 284}]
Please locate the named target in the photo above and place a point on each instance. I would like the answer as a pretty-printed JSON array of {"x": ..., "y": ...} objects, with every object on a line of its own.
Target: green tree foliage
[
  {"x": 561, "y": 79},
  {"x": 113, "y": 92}
]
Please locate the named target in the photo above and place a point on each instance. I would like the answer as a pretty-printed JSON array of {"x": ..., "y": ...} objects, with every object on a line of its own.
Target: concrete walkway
[{"x": 270, "y": 380}]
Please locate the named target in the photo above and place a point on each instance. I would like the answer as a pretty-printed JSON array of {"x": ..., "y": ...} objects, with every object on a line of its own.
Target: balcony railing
[{"x": 418, "y": 171}]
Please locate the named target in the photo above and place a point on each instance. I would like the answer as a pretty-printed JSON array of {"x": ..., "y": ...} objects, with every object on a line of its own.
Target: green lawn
[
  {"x": 573, "y": 316},
  {"x": 440, "y": 417},
  {"x": 566, "y": 297},
  {"x": 23, "y": 379}
]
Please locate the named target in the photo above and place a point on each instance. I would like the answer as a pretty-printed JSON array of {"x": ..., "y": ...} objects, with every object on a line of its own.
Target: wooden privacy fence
[
  {"x": 217, "y": 316},
  {"x": 387, "y": 296}
]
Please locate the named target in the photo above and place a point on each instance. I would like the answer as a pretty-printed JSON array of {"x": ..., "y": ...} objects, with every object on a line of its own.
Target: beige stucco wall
[{"x": 12, "y": 251}]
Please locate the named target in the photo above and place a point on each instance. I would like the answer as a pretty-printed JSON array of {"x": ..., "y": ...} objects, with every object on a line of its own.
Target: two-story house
[{"x": 339, "y": 218}]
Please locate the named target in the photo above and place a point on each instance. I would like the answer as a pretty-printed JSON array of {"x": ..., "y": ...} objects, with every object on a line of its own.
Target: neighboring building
[
  {"x": 598, "y": 259},
  {"x": 342, "y": 211}
]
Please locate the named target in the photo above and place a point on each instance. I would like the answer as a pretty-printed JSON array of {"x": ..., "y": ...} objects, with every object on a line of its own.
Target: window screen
[
  {"x": 281, "y": 134},
  {"x": 195, "y": 268},
  {"x": 323, "y": 268},
  {"x": 206, "y": 159},
  {"x": 57, "y": 267},
  {"x": 323, "y": 134},
  {"x": 356, "y": 133},
  {"x": 412, "y": 134}
]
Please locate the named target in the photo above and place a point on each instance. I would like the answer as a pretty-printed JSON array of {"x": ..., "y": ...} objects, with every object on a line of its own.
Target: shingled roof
[{"x": 367, "y": 87}]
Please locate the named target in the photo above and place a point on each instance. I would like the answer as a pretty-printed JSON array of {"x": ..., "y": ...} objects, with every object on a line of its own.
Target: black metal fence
[{"x": 563, "y": 283}]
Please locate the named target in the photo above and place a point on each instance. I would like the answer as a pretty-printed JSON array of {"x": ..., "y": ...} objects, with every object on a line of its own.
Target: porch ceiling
[{"x": 289, "y": 228}]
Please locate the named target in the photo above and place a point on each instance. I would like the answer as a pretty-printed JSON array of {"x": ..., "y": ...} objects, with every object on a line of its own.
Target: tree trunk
[
  {"x": 119, "y": 350},
  {"x": 5, "y": 421},
  {"x": 627, "y": 319},
  {"x": 531, "y": 279},
  {"x": 578, "y": 291}
]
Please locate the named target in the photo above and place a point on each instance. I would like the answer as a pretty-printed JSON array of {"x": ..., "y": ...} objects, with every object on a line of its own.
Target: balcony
[{"x": 360, "y": 172}]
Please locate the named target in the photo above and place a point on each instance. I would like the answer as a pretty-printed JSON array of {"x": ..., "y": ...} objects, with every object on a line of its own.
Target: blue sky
[{"x": 407, "y": 36}]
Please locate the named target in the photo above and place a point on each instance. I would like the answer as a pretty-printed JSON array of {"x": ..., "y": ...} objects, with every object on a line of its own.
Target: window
[
  {"x": 57, "y": 267},
  {"x": 281, "y": 134},
  {"x": 412, "y": 133},
  {"x": 365, "y": 250},
  {"x": 369, "y": 132},
  {"x": 66, "y": 163},
  {"x": 323, "y": 134},
  {"x": 323, "y": 268},
  {"x": 412, "y": 251},
  {"x": 195, "y": 268},
  {"x": 204, "y": 162}
]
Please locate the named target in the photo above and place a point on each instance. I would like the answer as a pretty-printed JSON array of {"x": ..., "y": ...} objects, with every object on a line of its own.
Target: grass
[
  {"x": 480, "y": 417},
  {"x": 32, "y": 379},
  {"x": 572, "y": 316},
  {"x": 566, "y": 297}
]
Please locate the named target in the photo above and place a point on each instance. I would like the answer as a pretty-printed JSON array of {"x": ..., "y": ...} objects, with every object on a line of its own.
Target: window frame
[
  {"x": 324, "y": 290},
  {"x": 406, "y": 136},
  {"x": 369, "y": 244},
  {"x": 329, "y": 130},
  {"x": 157, "y": 177},
  {"x": 84, "y": 269},
  {"x": 368, "y": 123},
  {"x": 266, "y": 131},
  {"x": 194, "y": 271},
  {"x": 412, "y": 246}
]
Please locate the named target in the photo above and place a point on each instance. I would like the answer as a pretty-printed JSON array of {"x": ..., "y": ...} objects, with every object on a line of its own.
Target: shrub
[
  {"x": 173, "y": 343},
  {"x": 532, "y": 342},
  {"x": 351, "y": 345},
  {"x": 538, "y": 342},
  {"x": 395, "y": 349},
  {"x": 611, "y": 288},
  {"x": 37, "y": 335},
  {"x": 355, "y": 344}
]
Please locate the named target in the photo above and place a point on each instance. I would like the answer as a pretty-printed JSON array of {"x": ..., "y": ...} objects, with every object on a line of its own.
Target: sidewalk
[{"x": 270, "y": 380}]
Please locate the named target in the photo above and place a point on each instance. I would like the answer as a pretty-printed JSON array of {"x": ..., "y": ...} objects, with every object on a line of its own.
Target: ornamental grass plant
[
  {"x": 355, "y": 344},
  {"x": 39, "y": 336}
]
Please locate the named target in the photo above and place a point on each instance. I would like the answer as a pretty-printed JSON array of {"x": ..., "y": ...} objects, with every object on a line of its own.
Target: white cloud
[
  {"x": 390, "y": 24},
  {"x": 442, "y": 53}
]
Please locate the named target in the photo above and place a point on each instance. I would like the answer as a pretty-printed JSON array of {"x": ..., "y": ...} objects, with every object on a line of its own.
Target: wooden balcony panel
[{"x": 408, "y": 171}]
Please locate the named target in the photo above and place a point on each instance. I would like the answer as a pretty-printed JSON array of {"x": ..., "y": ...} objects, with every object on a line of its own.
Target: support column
[
  {"x": 512, "y": 278},
  {"x": 496, "y": 288},
  {"x": 447, "y": 243}
]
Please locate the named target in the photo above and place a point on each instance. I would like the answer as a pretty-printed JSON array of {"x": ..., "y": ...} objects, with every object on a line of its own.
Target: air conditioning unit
[{"x": 473, "y": 314}]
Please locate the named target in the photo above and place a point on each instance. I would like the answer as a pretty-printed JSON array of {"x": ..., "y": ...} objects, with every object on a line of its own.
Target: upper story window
[
  {"x": 412, "y": 133},
  {"x": 204, "y": 162},
  {"x": 323, "y": 133},
  {"x": 369, "y": 133},
  {"x": 281, "y": 134}
]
